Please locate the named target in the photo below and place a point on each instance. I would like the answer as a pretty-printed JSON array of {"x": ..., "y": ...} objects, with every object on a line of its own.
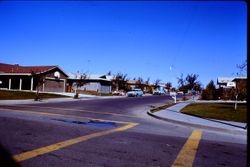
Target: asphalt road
[{"x": 111, "y": 132}]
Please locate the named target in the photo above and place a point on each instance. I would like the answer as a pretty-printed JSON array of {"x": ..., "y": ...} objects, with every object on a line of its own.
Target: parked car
[
  {"x": 119, "y": 93},
  {"x": 135, "y": 93},
  {"x": 180, "y": 92},
  {"x": 158, "y": 92},
  {"x": 172, "y": 93}
]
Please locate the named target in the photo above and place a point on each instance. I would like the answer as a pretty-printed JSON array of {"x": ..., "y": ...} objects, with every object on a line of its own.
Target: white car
[
  {"x": 135, "y": 93},
  {"x": 158, "y": 92},
  {"x": 172, "y": 93}
]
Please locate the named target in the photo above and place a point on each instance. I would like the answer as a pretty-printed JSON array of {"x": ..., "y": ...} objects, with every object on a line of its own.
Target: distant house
[
  {"x": 230, "y": 82},
  {"x": 132, "y": 84},
  {"x": 16, "y": 77},
  {"x": 232, "y": 86},
  {"x": 241, "y": 87},
  {"x": 225, "y": 82},
  {"x": 237, "y": 80},
  {"x": 95, "y": 83}
]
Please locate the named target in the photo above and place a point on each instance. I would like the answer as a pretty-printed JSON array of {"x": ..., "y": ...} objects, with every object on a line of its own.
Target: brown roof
[
  {"x": 132, "y": 82},
  {"x": 9, "y": 68}
]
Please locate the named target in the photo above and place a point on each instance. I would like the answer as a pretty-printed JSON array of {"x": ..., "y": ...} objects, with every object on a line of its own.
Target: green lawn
[
  {"x": 155, "y": 109},
  {"x": 220, "y": 111},
  {"x": 17, "y": 95}
]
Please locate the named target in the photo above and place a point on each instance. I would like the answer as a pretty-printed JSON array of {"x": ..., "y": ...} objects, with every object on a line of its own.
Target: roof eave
[{"x": 15, "y": 74}]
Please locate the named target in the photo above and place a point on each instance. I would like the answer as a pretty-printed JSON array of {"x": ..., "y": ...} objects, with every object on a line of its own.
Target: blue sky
[{"x": 159, "y": 40}]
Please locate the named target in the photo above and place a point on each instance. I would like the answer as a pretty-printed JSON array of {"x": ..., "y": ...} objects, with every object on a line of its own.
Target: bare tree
[
  {"x": 240, "y": 92},
  {"x": 189, "y": 83},
  {"x": 182, "y": 84},
  {"x": 120, "y": 82},
  {"x": 192, "y": 82},
  {"x": 140, "y": 83},
  {"x": 168, "y": 86},
  {"x": 156, "y": 83},
  {"x": 243, "y": 68},
  {"x": 147, "y": 81},
  {"x": 81, "y": 80},
  {"x": 181, "y": 80},
  {"x": 148, "y": 86},
  {"x": 109, "y": 73}
]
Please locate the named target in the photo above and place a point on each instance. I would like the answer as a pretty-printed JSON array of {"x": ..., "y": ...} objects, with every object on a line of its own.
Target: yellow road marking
[
  {"x": 63, "y": 144},
  {"x": 187, "y": 154},
  {"x": 82, "y": 110},
  {"x": 60, "y": 115}
]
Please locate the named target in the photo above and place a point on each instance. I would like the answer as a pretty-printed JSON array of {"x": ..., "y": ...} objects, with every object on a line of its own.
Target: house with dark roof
[
  {"x": 92, "y": 83},
  {"x": 230, "y": 82},
  {"x": 44, "y": 78},
  {"x": 225, "y": 82},
  {"x": 231, "y": 86}
]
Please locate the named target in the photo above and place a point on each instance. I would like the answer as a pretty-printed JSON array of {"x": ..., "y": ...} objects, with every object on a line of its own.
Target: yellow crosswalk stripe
[{"x": 187, "y": 154}]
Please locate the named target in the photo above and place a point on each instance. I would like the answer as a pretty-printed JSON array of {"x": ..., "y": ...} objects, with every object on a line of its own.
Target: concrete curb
[{"x": 182, "y": 123}]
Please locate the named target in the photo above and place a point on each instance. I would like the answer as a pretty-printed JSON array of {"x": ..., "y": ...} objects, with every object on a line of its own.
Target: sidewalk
[
  {"x": 52, "y": 100},
  {"x": 173, "y": 114}
]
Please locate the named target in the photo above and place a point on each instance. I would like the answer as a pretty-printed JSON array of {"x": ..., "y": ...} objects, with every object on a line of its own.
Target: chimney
[{"x": 16, "y": 66}]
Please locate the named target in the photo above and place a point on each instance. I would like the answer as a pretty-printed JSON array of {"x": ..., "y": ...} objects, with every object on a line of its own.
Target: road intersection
[{"x": 133, "y": 136}]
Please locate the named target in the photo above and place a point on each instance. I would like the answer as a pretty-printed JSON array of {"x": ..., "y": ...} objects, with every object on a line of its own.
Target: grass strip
[
  {"x": 163, "y": 107},
  {"x": 220, "y": 111}
]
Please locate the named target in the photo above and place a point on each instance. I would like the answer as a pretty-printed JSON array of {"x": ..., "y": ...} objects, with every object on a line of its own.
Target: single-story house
[
  {"x": 225, "y": 82},
  {"x": 133, "y": 84},
  {"x": 230, "y": 82},
  {"x": 238, "y": 79},
  {"x": 231, "y": 86},
  {"x": 44, "y": 78},
  {"x": 95, "y": 83}
]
